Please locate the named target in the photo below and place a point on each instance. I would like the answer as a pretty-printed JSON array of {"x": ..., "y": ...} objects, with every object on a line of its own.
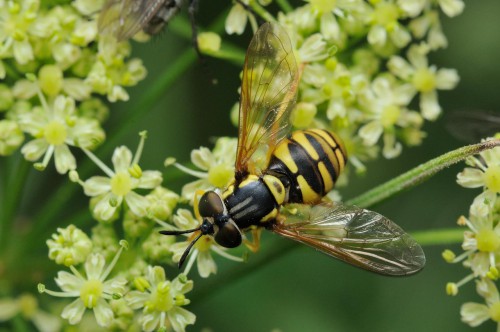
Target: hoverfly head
[{"x": 212, "y": 209}]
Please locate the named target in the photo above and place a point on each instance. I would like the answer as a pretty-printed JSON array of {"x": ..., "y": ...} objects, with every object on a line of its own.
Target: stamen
[
  {"x": 123, "y": 245},
  {"x": 140, "y": 147},
  {"x": 191, "y": 261},
  {"x": 201, "y": 175},
  {"x": 98, "y": 162},
  {"x": 224, "y": 254}
]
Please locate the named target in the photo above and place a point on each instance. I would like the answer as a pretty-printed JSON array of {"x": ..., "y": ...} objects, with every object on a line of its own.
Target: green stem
[
  {"x": 285, "y": 6},
  {"x": 419, "y": 174},
  {"x": 259, "y": 10},
  {"x": 439, "y": 236},
  {"x": 13, "y": 194}
]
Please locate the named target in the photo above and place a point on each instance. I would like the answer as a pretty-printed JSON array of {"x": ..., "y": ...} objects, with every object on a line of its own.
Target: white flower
[
  {"x": 386, "y": 109},
  {"x": 161, "y": 301},
  {"x": 385, "y": 26},
  {"x": 56, "y": 127},
  {"x": 120, "y": 183},
  {"x": 217, "y": 167},
  {"x": 92, "y": 291},
  {"x": 425, "y": 79},
  {"x": 475, "y": 314},
  {"x": 70, "y": 246},
  {"x": 485, "y": 173}
]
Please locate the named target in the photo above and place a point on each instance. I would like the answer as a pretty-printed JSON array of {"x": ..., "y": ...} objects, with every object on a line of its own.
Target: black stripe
[
  {"x": 323, "y": 156},
  {"x": 336, "y": 142},
  {"x": 308, "y": 167}
]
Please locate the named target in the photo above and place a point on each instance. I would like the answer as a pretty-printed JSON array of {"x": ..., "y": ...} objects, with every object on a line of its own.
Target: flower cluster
[
  {"x": 365, "y": 65},
  {"x": 481, "y": 243},
  {"x": 365, "y": 74},
  {"x": 54, "y": 65}
]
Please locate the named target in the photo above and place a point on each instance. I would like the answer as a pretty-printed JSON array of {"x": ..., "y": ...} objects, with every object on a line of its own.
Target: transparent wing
[
  {"x": 472, "y": 126},
  {"x": 124, "y": 18},
  {"x": 268, "y": 93},
  {"x": 357, "y": 236}
]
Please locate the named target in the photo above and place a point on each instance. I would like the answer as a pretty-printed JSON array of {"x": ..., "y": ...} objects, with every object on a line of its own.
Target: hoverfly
[
  {"x": 125, "y": 18},
  {"x": 281, "y": 178}
]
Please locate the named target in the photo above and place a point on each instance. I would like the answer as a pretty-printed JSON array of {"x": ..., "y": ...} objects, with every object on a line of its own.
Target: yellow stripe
[
  {"x": 271, "y": 215},
  {"x": 249, "y": 179},
  {"x": 341, "y": 144},
  {"x": 308, "y": 194},
  {"x": 275, "y": 187},
  {"x": 340, "y": 158},
  {"x": 229, "y": 190},
  {"x": 283, "y": 153},
  {"x": 301, "y": 138},
  {"x": 325, "y": 136},
  {"x": 327, "y": 178}
]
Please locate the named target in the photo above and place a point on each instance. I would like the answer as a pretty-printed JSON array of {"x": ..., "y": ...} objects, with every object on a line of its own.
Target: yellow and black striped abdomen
[{"x": 311, "y": 161}]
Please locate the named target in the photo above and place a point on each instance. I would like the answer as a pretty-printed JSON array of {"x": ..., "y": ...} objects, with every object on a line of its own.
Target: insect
[
  {"x": 280, "y": 179},
  {"x": 125, "y": 18}
]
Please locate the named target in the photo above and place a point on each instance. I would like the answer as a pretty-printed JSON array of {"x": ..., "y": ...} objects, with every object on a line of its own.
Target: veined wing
[
  {"x": 124, "y": 18},
  {"x": 357, "y": 236},
  {"x": 268, "y": 93}
]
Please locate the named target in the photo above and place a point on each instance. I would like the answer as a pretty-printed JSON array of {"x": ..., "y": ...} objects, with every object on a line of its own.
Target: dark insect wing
[
  {"x": 357, "y": 236},
  {"x": 268, "y": 93},
  {"x": 125, "y": 18},
  {"x": 472, "y": 126}
]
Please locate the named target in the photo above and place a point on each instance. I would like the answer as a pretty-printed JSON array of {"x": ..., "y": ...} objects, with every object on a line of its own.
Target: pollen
[
  {"x": 121, "y": 184},
  {"x": 91, "y": 292},
  {"x": 492, "y": 178},
  {"x": 487, "y": 240},
  {"x": 424, "y": 80},
  {"x": 55, "y": 132}
]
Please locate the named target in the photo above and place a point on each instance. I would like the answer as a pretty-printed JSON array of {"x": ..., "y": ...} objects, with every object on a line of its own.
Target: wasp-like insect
[
  {"x": 280, "y": 179},
  {"x": 125, "y": 18}
]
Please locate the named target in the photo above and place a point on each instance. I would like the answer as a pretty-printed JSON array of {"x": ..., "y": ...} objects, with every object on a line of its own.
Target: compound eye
[
  {"x": 210, "y": 204},
  {"x": 228, "y": 236}
]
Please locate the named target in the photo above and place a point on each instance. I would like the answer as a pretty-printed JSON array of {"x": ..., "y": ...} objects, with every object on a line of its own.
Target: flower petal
[
  {"x": 122, "y": 158},
  {"x": 138, "y": 204},
  {"x": 103, "y": 210},
  {"x": 64, "y": 159},
  {"x": 74, "y": 311},
  {"x": 46, "y": 322},
  {"x": 34, "y": 149},
  {"x": 206, "y": 264},
  {"x": 94, "y": 266},
  {"x": 150, "y": 321},
  {"x": 474, "y": 314},
  {"x": 150, "y": 180},
  {"x": 180, "y": 317},
  {"x": 68, "y": 282},
  {"x": 97, "y": 185},
  {"x": 470, "y": 178},
  {"x": 429, "y": 105},
  {"x": 103, "y": 313}
]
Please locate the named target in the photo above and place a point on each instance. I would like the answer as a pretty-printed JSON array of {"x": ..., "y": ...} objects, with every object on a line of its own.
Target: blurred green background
[{"x": 302, "y": 290}]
